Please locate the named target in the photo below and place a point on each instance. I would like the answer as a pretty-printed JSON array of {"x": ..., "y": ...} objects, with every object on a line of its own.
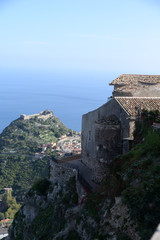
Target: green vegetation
[
  {"x": 20, "y": 172},
  {"x": 136, "y": 176},
  {"x": 123, "y": 236},
  {"x": 27, "y": 136},
  {"x": 20, "y": 219},
  {"x": 70, "y": 199},
  {"x": 50, "y": 219},
  {"x": 19, "y": 169},
  {"x": 42, "y": 225},
  {"x": 72, "y": 235},
  {"x": 92, "y": 205},
  {"x": 40, "y": 187},
  {"x": 10, "y": 206},
  {"x": 2, "y": 216}
]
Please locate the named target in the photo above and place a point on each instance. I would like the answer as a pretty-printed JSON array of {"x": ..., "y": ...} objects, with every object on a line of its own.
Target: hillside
[
  {"x": 27, "y": 136},
  {"x": 126, "y": 209},
  {"x": 20, "y": 141}
]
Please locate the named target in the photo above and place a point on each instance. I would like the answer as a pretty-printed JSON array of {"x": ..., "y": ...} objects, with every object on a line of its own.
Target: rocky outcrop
[
  {"x": 47, "y": 212},
  {"x": 52, "y": 211}
]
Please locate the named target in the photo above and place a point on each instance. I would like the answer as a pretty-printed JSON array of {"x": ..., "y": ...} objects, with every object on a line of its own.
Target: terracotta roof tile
[
  {"x": 132, "y": 104},
  {"x": 133, "y": 79}
]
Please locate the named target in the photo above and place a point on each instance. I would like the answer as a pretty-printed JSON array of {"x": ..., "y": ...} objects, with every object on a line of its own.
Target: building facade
[{"x": 108, "y": 130}]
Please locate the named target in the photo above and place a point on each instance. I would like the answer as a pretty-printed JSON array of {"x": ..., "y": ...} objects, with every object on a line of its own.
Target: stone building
[
  {"x": 108, "y": 130},
  {"x": 136, "y": 85}
]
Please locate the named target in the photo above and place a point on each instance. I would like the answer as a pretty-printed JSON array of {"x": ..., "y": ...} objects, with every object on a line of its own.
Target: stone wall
[
  {"x": 60, "y": 173},
  {"x": 137, "y": 90},
  {"x": 136, "y": 85},
  {"x": 106, "y": 139},
  {"x": 42, "y": 115}
]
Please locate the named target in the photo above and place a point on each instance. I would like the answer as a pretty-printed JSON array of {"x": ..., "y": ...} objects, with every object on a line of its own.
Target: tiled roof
[
  {"x": 132, "y": 104},
  {"x": 135, "y": 78}
]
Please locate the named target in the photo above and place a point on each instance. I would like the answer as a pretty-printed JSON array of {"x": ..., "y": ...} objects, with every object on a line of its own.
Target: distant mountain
[{"x": 24, "y": 137}]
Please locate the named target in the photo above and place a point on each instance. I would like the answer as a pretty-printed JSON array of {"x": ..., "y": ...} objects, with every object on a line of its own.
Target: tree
[
  {"x": 11, "y": 205},
  {"x": 1, "y": 216}
]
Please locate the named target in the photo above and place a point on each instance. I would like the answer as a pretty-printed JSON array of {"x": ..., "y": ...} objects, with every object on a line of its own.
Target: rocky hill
[
  {"x": 127, "y": 207},
  {"x": 21, "y": 145}
]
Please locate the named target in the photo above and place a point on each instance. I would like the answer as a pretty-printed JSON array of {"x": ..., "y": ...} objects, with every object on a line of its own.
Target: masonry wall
[
  {"x": 137, "y": 90},
  {"x": 108, "y": 141},
  {"x": 60, "y": 173},
  {"x": 42, "y": 115},
  {"x": 103, "y": 139}
]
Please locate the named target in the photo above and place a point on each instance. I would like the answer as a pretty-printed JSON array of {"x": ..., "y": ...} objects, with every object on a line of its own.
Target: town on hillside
[{"x": 64, "y": 147}]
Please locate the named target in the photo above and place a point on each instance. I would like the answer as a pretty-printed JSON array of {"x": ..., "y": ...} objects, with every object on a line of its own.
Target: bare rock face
[
  {"x": 120, "y": 219},
  {"x": 49, "y": 212},
  {"x": 156, "y": 235},
  {"x": 56, "y": 214}
]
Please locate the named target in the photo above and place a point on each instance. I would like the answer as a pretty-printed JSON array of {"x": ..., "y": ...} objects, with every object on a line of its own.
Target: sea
[{"x": 69, "y": 94}]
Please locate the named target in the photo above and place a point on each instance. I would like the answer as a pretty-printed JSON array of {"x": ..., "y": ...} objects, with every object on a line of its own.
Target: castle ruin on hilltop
[
  {"x": 108, "y": 130},
  {"x": 44, "y": 115}
]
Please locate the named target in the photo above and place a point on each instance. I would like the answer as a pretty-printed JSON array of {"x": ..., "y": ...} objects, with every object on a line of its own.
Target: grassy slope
[{"x": 21, "y": 139}]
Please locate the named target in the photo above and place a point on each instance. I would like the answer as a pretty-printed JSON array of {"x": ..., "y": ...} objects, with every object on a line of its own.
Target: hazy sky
[{"x": 100, "y": 35}]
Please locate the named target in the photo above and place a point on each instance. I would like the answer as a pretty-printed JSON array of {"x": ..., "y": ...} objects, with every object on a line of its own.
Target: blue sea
[{"x": 68, "y": 94}]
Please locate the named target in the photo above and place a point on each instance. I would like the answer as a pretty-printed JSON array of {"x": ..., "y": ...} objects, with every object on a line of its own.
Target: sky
[{"x": 80, "y": 35}]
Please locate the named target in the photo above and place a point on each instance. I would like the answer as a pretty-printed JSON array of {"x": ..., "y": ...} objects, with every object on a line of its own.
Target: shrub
[
  {"x": 152, "y": 141},
  {"x": 123, "y": 236},
  {"x": 1, "y": 216},
  {"x": 143, "y": 202},
  {"x": 41, "y": 187}
]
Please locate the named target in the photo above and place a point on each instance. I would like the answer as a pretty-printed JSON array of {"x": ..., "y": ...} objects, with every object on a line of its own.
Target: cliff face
[
  {"x": 126, "y": 208},
  {"x": 48, "y": 212},
  {"x": 56, "y": 215}
]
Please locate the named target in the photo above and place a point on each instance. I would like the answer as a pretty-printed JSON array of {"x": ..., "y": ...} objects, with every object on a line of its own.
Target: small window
[
  {"x": 100, "y": 146},
  {"x": 89, "y": 135}
]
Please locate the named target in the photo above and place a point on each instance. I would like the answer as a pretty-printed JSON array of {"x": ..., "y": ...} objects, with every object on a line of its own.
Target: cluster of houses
[
  {"x": 4, "y": 223},
  {"x": 4, "y": 226},
  {"x": 66, "y": 145},
  {"x": 71, "y": 145}
]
